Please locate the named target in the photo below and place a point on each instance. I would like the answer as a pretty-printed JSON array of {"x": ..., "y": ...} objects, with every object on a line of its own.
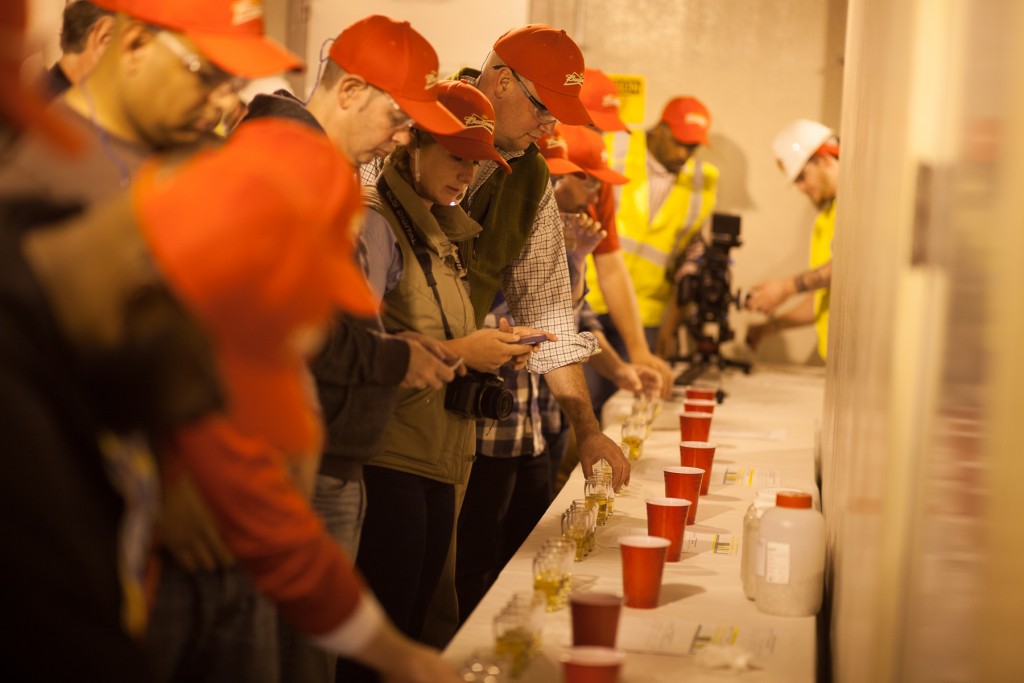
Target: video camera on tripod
[{"x": 708, "y": 292}]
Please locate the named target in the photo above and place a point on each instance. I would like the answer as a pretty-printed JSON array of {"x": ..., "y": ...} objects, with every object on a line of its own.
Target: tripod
[{"x": 702, "y": 358}]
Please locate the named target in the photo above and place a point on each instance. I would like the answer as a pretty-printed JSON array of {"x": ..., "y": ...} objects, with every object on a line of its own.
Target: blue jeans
[
  {"x": 342, "y": 506},
  {"x": 211, "y": 626}
]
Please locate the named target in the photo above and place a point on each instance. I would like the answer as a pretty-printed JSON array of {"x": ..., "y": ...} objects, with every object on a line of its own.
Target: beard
[{"x": 161, "y": 375}]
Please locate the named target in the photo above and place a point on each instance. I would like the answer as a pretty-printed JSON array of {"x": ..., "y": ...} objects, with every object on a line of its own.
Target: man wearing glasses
[
  {"x": 365, "y": 101},
  {"x": 533, "y": 78},
  {"x": 148, "y": 92}
]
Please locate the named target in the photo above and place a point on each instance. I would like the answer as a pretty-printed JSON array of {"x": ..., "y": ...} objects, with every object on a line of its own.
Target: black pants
[
  {"x": 404, "y": 544},
  {"x": 505, "y": 498}
]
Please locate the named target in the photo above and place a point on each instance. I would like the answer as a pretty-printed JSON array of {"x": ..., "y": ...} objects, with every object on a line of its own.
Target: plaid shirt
[
  {"x": 536, "y": 283},
  {"x": 535, "y": 413},
  {"x": 519, "y": 434}
]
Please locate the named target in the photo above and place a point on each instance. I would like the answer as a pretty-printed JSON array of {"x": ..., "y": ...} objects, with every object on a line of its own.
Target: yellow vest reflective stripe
[
  {"x": 650, "y": 246},
  {"x": 821, "y": 253}
]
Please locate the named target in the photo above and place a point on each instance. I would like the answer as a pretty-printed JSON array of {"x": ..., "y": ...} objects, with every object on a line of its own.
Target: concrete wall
[{"x": 462, "y": 31}]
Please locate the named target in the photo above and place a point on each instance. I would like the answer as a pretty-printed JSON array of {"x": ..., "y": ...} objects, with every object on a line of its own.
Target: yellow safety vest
[
  {"x": 650, "y": 247},
  {"x": 821, "y": 253}
]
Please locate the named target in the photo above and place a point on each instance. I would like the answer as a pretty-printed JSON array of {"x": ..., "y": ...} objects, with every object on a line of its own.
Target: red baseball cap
[
  {"x": 553, "y": 63},
  {"x": 393, "y": 57},
  {"x": 476, "y": 140},
  {"x": 688, "y": 119},
  {"x": 229, "y": 33},
  {"x": 555, "y": 151},
  {"x": 600, "y": 96},
  {"x": 259, "y": 257},
  {"x": 20, "y": 106},
  {"x": 586, "y": 148}
]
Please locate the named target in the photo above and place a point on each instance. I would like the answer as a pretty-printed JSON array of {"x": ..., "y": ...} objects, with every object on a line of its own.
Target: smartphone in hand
[{"x": 532, "y": 339}]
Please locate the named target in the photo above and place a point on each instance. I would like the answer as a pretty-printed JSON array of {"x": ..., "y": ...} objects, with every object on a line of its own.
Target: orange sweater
[{"x": 278, "y": 539}]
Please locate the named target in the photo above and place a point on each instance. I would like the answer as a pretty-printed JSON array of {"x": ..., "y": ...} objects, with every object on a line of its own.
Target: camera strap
[{"x": 418, "y": 244}]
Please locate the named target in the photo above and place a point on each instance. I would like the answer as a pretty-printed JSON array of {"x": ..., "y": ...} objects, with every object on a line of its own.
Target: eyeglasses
[
  {"x": 540, "y": 112},
  {"x": 210, "y": 75},
  {"x": 399, "y": 119}
]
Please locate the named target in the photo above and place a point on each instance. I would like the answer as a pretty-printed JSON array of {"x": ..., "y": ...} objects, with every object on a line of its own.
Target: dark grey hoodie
[{"x": 360, "y": 367}]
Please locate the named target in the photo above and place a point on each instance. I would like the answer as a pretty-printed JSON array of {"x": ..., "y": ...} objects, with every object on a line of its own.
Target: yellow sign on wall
[{"x": 632, "y": 96}]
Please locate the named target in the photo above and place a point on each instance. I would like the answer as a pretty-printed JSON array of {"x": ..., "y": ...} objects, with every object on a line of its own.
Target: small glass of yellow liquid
[
  {"x": 596, "y": 491},
  {"x": 588, "y": 511},
  {"x": 517, "y": 630},
  {"x": 552, "y": 573},
  {"x": 603, "y": 469},
  {"x": 633, "y": 437},
  {"x": 575, "y": 524}
]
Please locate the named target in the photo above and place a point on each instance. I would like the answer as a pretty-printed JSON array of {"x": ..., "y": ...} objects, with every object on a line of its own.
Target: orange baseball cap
[
  {"x": 259, "y": 257},
  {"x": 553, "y": 63},
  {"x": 20, "y": 106},
  {"x": 229, "y": 33},
  {"x": 476, "y": 140},
  {"x": 600, "y": 96},
  {"x": 586, "y": 148},
  {"x": 393, "y": 57},
  {"x": 555, "y": 151},
  {"x": 688, "y": 119}
]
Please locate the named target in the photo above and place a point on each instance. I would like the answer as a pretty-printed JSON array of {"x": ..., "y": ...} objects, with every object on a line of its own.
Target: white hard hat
[{"x": 796, "y": 144}]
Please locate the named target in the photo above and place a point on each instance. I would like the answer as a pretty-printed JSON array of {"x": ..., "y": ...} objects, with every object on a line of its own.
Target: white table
[{"x": 765, "y": 431}]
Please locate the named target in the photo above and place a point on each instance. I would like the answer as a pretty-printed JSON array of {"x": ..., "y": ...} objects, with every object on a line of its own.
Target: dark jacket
[{"x": 358, "y": 371}]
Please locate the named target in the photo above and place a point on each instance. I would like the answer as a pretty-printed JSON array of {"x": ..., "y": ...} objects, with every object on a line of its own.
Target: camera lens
[{"x": 495, "y": 403}]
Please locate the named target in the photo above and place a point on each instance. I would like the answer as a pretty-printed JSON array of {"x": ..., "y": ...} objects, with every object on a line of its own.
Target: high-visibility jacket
[
  {"x": 821, "y": 253},
  {"x": 651, "y": 246}
]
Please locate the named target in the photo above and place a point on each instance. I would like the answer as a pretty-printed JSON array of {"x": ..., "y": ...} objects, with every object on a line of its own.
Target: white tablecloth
[{"x": 765, "y": 431}]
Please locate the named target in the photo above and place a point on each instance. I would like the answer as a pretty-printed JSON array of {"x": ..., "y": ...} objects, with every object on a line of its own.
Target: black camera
[
  {"x": 708, "y": 294},
  {"x": 479, "y": 396},
  {"x": 710, "y": 289}
]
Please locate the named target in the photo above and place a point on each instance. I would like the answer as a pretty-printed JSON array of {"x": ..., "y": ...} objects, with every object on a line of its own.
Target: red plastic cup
[
  {"x": 698, "y": 454},
  {"x": 666, "y": 517},
  {"x": 698, "y": 405},
  {"x": 591, "y": 665},
  {"x": 697, "y": 391},
  {"x": 694, "y": 426},
  {"x": 684, "y": 482},
  {"x": 643, "y": 562},
  {"x": 595, "y": 618}
]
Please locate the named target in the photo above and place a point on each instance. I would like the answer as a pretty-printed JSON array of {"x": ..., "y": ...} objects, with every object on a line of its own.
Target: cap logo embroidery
[
  {"x": 477, "y": 121},
  {"x": 555, "y": 143},
  {"x": 431, "y": 77},
  {"x": 696, "y": 119},
  {"x": 244, "y": 11},
  {"x": 573, "y": 79},
  {"x": 610, "y": 102}
]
